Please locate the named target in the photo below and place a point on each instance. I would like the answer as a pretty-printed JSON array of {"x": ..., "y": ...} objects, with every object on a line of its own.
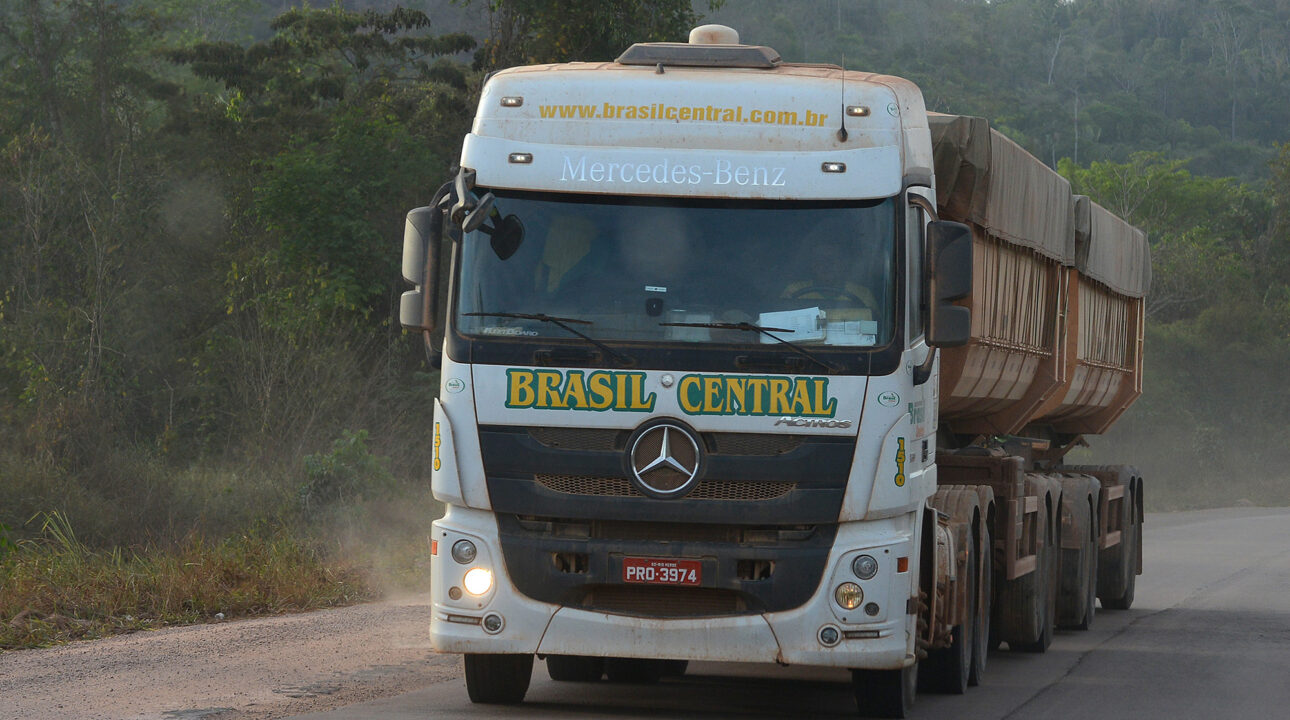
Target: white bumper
[{"x": 881, "y": 640}]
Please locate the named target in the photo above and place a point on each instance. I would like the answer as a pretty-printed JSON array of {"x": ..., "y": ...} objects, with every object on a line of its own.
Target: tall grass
[{"x": 55, "y": 588}]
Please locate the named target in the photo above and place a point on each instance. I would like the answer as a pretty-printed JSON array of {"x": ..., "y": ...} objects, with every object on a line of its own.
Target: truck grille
[
  {"x": 706, "y": 489},
  {"x": 598, "y": 440},
  {"x": 669, "y": 602}
]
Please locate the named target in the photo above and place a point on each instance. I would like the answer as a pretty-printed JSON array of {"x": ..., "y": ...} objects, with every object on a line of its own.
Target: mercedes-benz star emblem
[{"x": 665, "y": 460}]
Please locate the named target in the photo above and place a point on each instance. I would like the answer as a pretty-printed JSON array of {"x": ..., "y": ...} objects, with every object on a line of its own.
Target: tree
[{"x": 525, "y": 32}]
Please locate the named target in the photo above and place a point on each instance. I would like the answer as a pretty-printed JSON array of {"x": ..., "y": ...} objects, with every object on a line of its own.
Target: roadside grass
[{"x": 54, "y": 588}]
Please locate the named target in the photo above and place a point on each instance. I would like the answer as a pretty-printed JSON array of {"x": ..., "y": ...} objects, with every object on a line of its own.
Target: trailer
[{"x": 748, "y": 360}]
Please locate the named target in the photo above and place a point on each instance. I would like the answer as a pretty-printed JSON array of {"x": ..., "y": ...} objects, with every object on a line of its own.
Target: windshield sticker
[
  {"x": 508, "y": 330},
  {"x": 557, "y": 390},
  {"x": 755, "y": 395},
  {"x": 666, "y": 172}
]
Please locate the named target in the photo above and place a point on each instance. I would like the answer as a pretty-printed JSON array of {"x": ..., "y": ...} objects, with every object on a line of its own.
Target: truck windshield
[{"x": 673, "y": 270}]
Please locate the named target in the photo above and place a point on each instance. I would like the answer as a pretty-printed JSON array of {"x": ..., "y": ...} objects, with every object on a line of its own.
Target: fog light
[
  {"x": 871, "y": 609},
  {"x": 849, "y": 595},
  {"x": 463, "y": 551},
  {"x": 864, "y": 567},
  {"x": 829, "y": 636},
  {"x": 493, "y": 623},
  {"x": 478, "y": 581},
  {"x": 454, "y": 593}
]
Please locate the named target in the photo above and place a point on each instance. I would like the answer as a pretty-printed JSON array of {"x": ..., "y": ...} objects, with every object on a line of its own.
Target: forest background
[{"x": 201, "y": 207}]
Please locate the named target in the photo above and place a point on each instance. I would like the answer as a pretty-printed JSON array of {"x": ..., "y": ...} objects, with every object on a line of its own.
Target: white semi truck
[{"x": 748, "y": 360}]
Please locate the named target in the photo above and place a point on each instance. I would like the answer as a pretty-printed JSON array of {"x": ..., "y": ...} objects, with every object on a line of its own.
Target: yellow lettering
[
  {"x": 602, "y": 392},
  {"x": 802, "y": 398},
  {"x": 519, "y": 392},
  {"x": 735, "y": 395},
  {"x": 779, "y": 404},
  {"x": 825, "y": 406},
  {"x": 712, "y": 395},
  {"x": 690, "y": 394},
  {"x": 548, "y": 390},
  {"x": 437, "y": 442},
  {"x": 637, "y": 398},
  {"x": 758, "y": 387},
  {"x": 900, "y": 462},
  {"x": 575, "y": 392}
]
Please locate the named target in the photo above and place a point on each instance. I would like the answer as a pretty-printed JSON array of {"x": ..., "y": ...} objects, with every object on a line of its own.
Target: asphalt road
[{"x": 1208, "y": 637}]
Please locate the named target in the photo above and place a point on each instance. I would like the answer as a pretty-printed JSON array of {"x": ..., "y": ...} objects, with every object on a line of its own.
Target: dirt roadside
[{"x": 245, "y": 670}]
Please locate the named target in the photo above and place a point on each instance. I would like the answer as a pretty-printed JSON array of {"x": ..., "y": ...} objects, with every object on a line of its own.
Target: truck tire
[
  {"x": 498, "y": 679},
  {"x": 1077, "y": 582},
  {"x": 636, "y": 671},
  {"x": 982, "y": 628},
  {"x": 1133, "y": 540},
  {"x": 885, "y": 693},
  {"x": 575, "y": 668},
  {"x": 947, "y": 670},
  {"x": 1043, "y": 608},
  {"x": 1117, "y": 573}
]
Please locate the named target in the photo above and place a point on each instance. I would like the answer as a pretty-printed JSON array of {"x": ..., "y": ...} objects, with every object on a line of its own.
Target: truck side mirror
[
  {"x": 422, "y": 233},
  {"x": 949, "y": 247}
]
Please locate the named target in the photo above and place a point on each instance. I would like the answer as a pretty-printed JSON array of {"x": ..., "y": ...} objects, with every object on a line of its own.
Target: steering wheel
[{"x": 828, "y": 292}]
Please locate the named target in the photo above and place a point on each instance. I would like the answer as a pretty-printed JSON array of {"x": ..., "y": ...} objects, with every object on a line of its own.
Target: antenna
[{"x": 842, "y": 131}]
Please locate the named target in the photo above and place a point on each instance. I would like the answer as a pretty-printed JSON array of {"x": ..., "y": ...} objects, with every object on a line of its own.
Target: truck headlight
[
  {"x": 865, "y": 567},
  {"x": 478, "y": 581},
  {"x": 849, "y": 595},
  {"x": 463, "y": 551}
]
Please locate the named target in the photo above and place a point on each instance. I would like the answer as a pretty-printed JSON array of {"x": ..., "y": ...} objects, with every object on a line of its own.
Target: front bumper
[{"x": 881, "y": 640}]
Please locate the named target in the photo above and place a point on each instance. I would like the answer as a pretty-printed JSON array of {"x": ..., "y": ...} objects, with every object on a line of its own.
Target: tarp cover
[
  {"x": 984, "y": 178},
  {"x": 1112, "y": 251}
]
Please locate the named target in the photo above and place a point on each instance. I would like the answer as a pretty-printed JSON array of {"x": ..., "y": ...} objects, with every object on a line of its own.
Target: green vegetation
[
  {"x": 201, "y": 205},
  {"x": 56, "y": 588},
  {"x": 200, "y": 371}
]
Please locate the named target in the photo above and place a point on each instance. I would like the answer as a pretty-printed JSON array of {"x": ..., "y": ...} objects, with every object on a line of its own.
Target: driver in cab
[{"x": 831, "y": 282}]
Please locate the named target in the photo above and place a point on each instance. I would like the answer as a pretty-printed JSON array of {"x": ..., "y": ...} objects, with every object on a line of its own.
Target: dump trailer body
[{"x": 1057, "y": 300}]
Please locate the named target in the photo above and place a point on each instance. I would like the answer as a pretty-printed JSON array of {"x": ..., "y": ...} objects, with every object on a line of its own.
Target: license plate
[{"x": 659, "y": 571}]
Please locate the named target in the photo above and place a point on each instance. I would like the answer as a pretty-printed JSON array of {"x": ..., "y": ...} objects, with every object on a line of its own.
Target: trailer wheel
[
  {"x": 1045, "y": 603},
  {"x": 1090, "y": 601},
  {"x": 1133, "y": 541},
  {"x": 574, "y": 668},
  {"x": 637, "y": 671},
  {"x": 885, "y": 693},
  {"x": 982, "y": 628},
  {"x": 498, "y": 679}
]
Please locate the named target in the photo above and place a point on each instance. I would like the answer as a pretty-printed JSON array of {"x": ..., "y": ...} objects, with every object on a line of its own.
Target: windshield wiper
[
  {"x": 564, "y": 323},
  {"x": 749, "y": 327}
]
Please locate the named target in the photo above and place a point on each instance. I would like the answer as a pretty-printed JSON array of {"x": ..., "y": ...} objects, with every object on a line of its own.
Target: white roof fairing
[{"x": 780, "y": 123}]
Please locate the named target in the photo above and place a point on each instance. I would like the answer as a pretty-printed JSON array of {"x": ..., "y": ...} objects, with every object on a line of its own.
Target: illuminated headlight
[
  {"x": 463, "y": 551},
  {"x": 479, "y": 580},
  {"x": 849, "y": 595},
  {"x": 864, "y": 567}
]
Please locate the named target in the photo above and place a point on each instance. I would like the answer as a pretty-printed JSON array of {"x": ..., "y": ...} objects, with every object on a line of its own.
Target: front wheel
[
  {"x": 948, "y": 670},
  {"x": 885, "y": 693},
  {"x": 498, "y": 679}
]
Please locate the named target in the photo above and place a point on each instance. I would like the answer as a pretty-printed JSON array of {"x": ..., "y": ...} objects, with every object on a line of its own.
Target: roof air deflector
[{"x": 687, "y": 55}]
